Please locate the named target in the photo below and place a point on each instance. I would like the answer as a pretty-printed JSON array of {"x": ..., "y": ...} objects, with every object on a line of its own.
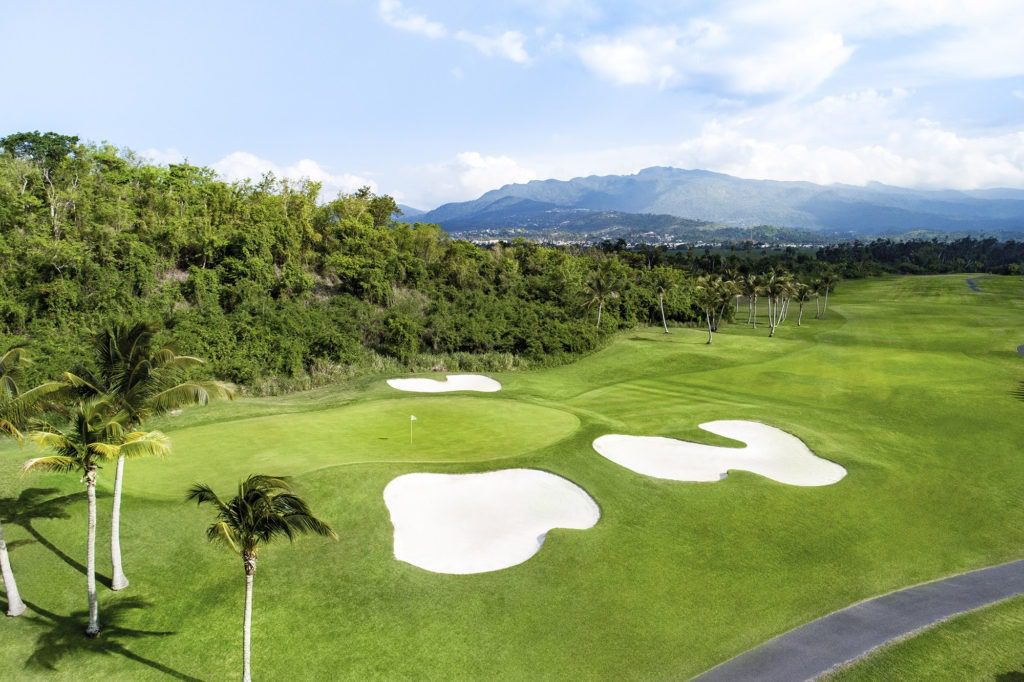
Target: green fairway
[
  {"x": 908, "y": 384},
  {"x": 983, "y": 645}
]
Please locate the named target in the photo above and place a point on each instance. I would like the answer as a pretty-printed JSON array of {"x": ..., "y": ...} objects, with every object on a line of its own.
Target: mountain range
[{"x": 663, "y": 200}]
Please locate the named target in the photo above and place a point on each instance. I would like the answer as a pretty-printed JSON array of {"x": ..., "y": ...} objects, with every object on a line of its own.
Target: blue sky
[{"x": 435, "y": 102}]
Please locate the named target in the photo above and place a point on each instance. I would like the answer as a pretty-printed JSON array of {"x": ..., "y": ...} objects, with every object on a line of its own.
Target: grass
[
  {"x": 982, "y": 645},
  {"x": 908, "y": 383}
]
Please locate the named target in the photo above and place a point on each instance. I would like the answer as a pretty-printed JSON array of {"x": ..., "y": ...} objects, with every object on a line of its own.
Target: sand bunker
[
  {"x": 454, "y": 382},
  {"x": 474, "y": 523},
  {"x": 769, "y": 452}
]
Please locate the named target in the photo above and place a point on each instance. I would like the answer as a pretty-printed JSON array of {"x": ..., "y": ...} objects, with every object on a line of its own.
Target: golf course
[{"x": 909, "y": 384}]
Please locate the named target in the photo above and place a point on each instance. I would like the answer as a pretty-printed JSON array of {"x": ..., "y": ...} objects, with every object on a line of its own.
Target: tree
[
  {"x": 91, "y": 438},
  {"x": 15, "y": 408},
  {"x": 750, "y": 285},
  {"x": 713, "y": 295},
  {"x": 264, "y": 509},
  {"x": 778, "y": 287},
  {"x": 139, "y": 380},
  {"x": 826, "y": 284},
  {"x": 803, "y": 295},
  {"x": 664, "y": 283},
  {"x": 603, "y": 284}
]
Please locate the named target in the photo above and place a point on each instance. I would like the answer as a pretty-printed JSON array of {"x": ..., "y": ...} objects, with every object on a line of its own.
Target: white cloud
[
  {"x": 394, "y": 14},
  {"x": 239, "y": 166},
  {"x": 702, "y": 50},
  {"x": 510, "y": 45}
]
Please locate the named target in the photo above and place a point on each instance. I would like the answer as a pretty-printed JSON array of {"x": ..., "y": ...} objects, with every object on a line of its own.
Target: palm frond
[
  {"x": 222, "y": 532},
  {"x": 48, "y": 440},
  {"x": 203, "y": 494},
  {"x": 55, "y": 463},
  {"x": 143, "y": 444}
]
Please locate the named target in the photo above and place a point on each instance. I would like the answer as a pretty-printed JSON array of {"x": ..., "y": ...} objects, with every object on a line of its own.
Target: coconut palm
[
  {"x": 712, "y": 295},
  {"x": 802, "y": 295},
  {"x": 264, "y": 509},
  {"x": 91, "y": 438},
  {"x": 751, "y": 285},
  {"x": 140, "y": 380},
  {"x": 778, "y": 287},
  {"x": 15, "y": 408},
  {"x": 602, "y": 285},
  {"x": 826, "y": 284}
]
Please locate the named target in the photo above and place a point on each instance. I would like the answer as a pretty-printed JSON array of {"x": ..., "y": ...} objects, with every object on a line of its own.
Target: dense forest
[
  {"x": 279, "y": 287},
  {"x": 267, "y": 281}
]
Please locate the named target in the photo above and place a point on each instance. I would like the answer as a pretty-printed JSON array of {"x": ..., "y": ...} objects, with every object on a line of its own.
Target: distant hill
[
  {"x": 409, "y": 211},
  {"x": 651, "y": 198}
]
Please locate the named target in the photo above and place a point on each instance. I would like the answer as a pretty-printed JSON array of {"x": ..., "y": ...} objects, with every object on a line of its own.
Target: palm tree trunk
[
  {"x": 771, "y": 318},
  {"x": 754, "y": 319},
  {"x": 800, "y": 316},
  {"x": 15, "y": 606},
  {"x": 250, "y": 572},
  {"x": 600, "y": 309},
  {"x": 90, "y": 563},
  {"x": 824, "y": 308},
  {"x": 817, "y": 307},
  {"x": 118, "y": 580},
  {"x": 708, "y": 316},
  {"x": 661, "y": 302}
]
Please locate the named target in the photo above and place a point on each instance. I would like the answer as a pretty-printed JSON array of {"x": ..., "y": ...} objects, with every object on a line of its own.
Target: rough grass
[
  {"x": 908, "y": 383},
  {"x": 982, "y": 645}
]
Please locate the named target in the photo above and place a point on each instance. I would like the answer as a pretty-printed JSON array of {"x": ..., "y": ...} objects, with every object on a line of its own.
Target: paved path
[{"x": 840, "y": 637}]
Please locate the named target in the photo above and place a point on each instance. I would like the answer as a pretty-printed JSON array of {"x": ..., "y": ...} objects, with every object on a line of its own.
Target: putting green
[{"x": 447, "y": 429}]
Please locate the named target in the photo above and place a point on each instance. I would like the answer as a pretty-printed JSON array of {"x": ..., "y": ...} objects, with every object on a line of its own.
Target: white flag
[{"x": 412, "y": 417}]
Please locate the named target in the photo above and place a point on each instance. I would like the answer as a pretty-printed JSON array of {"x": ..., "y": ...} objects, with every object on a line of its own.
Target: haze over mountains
[{"x": 661, "y": 200}]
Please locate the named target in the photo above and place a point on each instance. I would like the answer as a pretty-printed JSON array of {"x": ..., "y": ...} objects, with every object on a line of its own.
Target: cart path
[{"x": 814, "y": 649}]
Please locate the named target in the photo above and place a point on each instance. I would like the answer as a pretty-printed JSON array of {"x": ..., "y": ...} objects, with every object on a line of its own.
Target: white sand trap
[
  {"x": 474, "y": 523},
  {"x": 769, "y": 452},
  {"x": 454, "y": 382}
]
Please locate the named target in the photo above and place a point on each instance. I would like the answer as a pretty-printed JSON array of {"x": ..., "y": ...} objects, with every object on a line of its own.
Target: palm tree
[
  {"x": 803, "y": 295},
  {"x": 264, "y": 509},
  {"x": 92, "y": 438},
  {"x": 826, "y": 283},
  {"x": 140, "y": 380},
  {"x": 664, "y": 283},
  {"x": 712, "y": 297},
  {"x": 752, "y": 285},
  {"x": 778, "y": 287},
  {"x": 602, "y": 285},
  {"x": 15, "y": 408}
]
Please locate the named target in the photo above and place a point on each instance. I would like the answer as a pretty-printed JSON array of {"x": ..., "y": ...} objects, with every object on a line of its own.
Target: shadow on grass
[
  {"x": 37, "y": 503},
  {"x": 64, "y": 636},
  {"x": 1018, "y": 392},
  {"x": 1014, "y": 676}
]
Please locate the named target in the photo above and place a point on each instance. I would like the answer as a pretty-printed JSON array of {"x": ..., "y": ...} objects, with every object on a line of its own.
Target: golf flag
[{"x": 412, "y": 417}]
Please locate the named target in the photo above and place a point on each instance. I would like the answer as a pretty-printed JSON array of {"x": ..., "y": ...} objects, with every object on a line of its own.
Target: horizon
[{"x": 433, "y": 103}]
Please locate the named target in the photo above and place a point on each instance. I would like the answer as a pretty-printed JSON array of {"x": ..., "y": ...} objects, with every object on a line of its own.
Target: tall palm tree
[
  {"x": 778, "y": 287},
  {"x": 15, "y": 408},
  {"x": 602, "y": 285},
  {"x": 826, "y": 284},
  {"x": 140, "y": 380},
  {"x": 264, "y": 509},
  {"x": 91, "y": 438},
  {"x": 802, "y": 295}
]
